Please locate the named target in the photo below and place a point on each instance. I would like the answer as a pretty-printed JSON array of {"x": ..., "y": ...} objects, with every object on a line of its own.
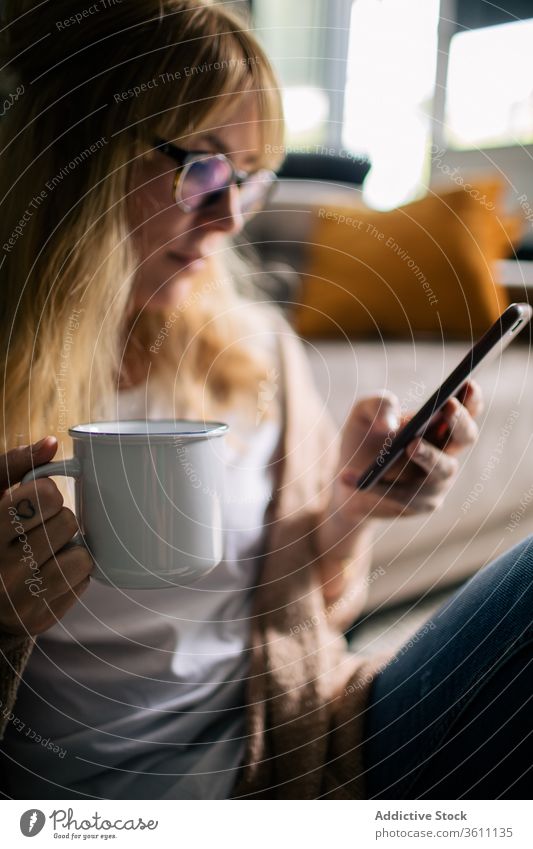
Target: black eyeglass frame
[{"x": 186, "y": 158}]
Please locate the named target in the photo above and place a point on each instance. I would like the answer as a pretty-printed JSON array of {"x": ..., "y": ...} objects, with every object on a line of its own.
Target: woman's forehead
[
  {"x": 237, "y": 124},
  {"x": 235, "y": 129}
]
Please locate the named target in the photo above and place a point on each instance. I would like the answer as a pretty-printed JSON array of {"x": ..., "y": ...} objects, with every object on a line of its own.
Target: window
[
  {"x": 359, "y": 77},
  {"x": 389, "y": 93},
  {"x": 386, "y": 78},
  {"x": 307, "y": 43},
  {"x": 489, "y": 92}
]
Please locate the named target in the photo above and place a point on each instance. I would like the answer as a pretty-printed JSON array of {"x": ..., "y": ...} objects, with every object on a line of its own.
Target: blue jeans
[{"x": 451, "y": 716}]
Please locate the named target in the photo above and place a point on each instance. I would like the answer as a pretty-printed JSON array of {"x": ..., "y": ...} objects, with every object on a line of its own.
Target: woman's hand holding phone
[
  {"x": 425, "y": 422},
  {"x": 420, "y": 478}
]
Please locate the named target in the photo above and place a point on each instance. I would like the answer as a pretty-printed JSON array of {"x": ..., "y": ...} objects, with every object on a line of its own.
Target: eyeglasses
[{"x": 202, "y": 177}]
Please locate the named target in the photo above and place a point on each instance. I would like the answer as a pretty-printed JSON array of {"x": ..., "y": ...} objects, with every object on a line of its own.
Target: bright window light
[
  {"x": 306, "y": 110},
  {"x": 389, "y": 90},
  {"x": 489, "y": 93}
]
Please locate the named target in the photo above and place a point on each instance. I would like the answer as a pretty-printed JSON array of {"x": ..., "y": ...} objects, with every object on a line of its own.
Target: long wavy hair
[{"x": 73, "y": 131}]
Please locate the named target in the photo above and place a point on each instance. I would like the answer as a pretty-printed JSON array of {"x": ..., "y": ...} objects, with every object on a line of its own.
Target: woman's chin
[{"x": 166, "y": 296}]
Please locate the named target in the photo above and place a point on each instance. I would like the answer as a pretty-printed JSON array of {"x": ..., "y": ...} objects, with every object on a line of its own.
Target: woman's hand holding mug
[
  {"x": 149, "y": 499},
  {"x": 41, "y": 576}
]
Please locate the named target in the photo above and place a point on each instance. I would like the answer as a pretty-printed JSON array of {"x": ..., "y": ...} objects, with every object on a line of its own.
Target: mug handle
[{"x": 69, "y": 468}]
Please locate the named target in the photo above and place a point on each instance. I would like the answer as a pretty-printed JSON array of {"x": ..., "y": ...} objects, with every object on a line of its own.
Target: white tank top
[{"x": 140, "y": 693}]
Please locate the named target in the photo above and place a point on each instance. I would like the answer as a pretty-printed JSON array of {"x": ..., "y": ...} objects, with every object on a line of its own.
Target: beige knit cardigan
[{"x": 306, "y": 693}]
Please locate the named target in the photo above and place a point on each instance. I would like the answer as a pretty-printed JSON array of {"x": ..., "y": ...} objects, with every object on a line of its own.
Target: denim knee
[
  {"x": 500, "y": 595},
  {"x": 515, "y": 570}
]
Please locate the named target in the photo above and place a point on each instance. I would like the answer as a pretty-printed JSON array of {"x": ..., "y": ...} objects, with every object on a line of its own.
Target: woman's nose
[{"x": 225, "y": 213}]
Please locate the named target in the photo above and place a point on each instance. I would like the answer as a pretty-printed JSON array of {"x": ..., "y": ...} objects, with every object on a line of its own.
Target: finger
[
  {"x": 471, "y": 397},
  {"x": 61, "y": 605},
  {"x": 49, "y": 538},
  {"x": 66, "y": 570},
  {"x": 371, "y": 422},
  {"x": 463, "y": 431},
  {"x": 381, "y": 410},
  {"x": 15, "y": 463},
  {"x": 27, "y": 506},
  {"x": 350, "y": 475},
  {"x": 27, "y": 596},
  {"x": 397, "y": 498},
  {"x": 411, "y": 497},
  {"x": 437, "y": 465},
  {"x": 49, "y": 612}
]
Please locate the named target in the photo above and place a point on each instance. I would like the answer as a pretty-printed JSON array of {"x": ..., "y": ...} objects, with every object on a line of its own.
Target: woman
[{"x": 135, "y": 153}]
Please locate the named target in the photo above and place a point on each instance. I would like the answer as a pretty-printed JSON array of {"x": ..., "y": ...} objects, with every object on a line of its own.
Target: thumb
[
  {"x": 380, "y": 411},
  {"x": 16, "y": 462}
]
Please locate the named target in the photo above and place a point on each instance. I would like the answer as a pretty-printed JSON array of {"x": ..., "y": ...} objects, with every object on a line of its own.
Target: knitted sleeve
[{"x": 14, "y": 655}]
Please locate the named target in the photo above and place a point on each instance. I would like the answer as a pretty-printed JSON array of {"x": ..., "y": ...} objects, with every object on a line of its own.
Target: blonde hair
[{"x": 70, "y": 143}]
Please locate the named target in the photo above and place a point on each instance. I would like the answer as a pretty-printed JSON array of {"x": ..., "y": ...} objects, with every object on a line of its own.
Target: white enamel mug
[{"x": 149, "y": 497}]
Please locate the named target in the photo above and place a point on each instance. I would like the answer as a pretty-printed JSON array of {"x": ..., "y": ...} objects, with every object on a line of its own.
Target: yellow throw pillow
[{"x": 425, "y": 266}]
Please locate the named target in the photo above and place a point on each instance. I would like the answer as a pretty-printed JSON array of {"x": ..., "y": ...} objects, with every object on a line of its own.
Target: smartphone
[{"x": 492, "y": 343}]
